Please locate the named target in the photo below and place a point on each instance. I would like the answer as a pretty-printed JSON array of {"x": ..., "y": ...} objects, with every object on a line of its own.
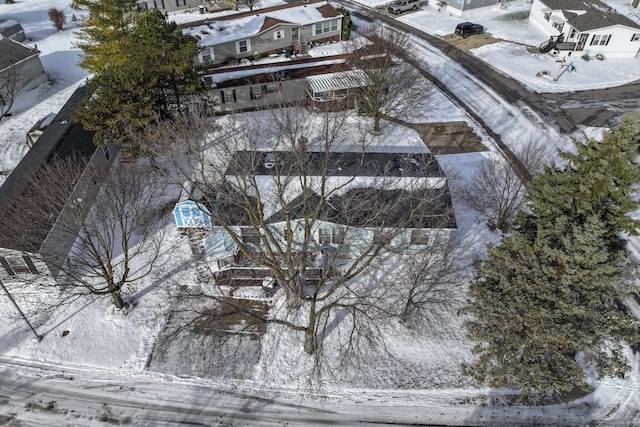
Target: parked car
[
  {"x": 399, "y": 6},
  {"x": 467, "y": 29}
]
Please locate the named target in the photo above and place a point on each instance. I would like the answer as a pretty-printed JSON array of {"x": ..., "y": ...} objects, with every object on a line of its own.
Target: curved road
[{"x": 566, "y": 110}]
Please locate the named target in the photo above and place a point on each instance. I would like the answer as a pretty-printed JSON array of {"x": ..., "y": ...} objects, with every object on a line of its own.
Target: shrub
[
  {"x": 586, "y": 57},
  {"x": 600, "y": 57},
  {"x": 58, "y": 18}
]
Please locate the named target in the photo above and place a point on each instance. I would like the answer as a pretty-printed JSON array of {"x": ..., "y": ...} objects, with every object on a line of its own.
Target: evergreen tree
[
  {"x": 598, "y": 179},
  {"x": 540, "y": 300},
  {"x": 102, "y": 32},
  {"x": 553, "y": 289},
  {"x": 147, "y": 83}
]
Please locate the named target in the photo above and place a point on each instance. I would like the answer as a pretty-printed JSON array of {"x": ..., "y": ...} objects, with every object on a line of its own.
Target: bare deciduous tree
[
  {"x": 395, "y": 86},
  {"x": 104, "y": 236},
  {"x": 429, "y": 283},
  {"x": 303, "y": 199},
  {"x": 249, "y": 3},
  {"x": 497, "y": 188}
]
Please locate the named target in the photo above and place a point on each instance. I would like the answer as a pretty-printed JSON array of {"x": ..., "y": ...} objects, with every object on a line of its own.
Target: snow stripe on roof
[{"x": 338, "y": 81}]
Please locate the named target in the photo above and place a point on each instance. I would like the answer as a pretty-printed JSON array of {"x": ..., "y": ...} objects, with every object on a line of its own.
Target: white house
[
  {"x": 586, "y": 27},
  {"x": 287, "y": 28}
]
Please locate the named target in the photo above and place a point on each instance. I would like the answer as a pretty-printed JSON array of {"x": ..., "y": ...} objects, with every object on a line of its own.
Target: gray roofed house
[
  {"x": 284, "y": 28},
  {"x": 63, "y": 138},
  {"x": 20, "y": 70},
  {"x": 369, "y": 195},
  {"x": 11, "y": 29},
  {"x": 588, "y": 27}
]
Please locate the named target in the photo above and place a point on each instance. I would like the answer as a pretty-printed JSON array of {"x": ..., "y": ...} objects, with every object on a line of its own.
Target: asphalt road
[{"x": 598, "y": 108}]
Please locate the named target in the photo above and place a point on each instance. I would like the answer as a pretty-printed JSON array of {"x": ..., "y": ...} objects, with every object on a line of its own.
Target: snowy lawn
[{"x": 99, "y": 338}]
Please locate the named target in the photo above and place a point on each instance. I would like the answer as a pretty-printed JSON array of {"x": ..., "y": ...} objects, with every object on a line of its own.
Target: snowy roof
[
  {"x": 12, "y": 52},
  {"x": 585, "y": 15},
  {"x": 338, "y": 81},
  {"x": 246, "y": 25}
]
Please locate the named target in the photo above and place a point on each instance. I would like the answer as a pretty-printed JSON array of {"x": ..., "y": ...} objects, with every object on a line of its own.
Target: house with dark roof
[
  {"x": 11, "y": 29},
  {"x": 30, "y": 249},
  {"x": 397, "y": 200},
  {"x": 20, "y": 70},
  {"x": 286, "y": 28},
  {"x": 588, "y": 27}
]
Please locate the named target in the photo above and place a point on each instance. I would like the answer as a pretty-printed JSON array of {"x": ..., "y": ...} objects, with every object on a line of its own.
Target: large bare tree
[
  {"x": 305, "y": 198},
  {"x": 498, "y": 186},
  {"x": 98, "y": 224},
  {"x": 395, "y": 87}
]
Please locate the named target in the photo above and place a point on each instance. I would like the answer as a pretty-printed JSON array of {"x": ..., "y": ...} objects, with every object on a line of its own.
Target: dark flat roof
[
  {"x": 337, "y": 164},
  {"x": 63, "y": 138}
]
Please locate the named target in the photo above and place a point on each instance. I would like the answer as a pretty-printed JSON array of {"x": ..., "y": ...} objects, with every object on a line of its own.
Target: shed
[
  {"x": 335, "y": 91},
  {"x": 12, "y": 30},
  {"x": 189, "y": 214}
]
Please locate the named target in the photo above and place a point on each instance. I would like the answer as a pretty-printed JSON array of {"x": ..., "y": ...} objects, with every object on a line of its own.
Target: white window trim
[
  {"x": 277, "y": 35},
  {"x": 211, "y": 54},
  {"x": 238, "y": 51},
  {"x": 322, "y": 24}
]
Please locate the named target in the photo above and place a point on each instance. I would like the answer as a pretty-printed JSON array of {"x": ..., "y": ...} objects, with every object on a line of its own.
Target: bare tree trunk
[
  {"x": 310, "y": 339},
  {"x": 117, "y": 299}
]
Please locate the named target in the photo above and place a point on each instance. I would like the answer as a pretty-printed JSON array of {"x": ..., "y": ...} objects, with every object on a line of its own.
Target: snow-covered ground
[{"x": 104, "y": 341}]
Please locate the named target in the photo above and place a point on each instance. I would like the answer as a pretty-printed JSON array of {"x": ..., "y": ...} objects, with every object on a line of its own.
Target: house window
[
  {"x": 206, "y": 55},
  {"x": 255, "y": 92},
  {"x": 331, "y": 235},
  {"x": 547, "y": 16},
  {"x": 142, "y": 6},
  {"x": 635, "y": 37},
  {"x": 572, "y": 34},
  {"x": 277, "y": 35},
  {"x": 181, "y": 3},
  {"x": 325, "y": 27},
  {"x": 228, "y": 96},
  {"x": 421, "y": 237},
  {"x": 600, "y": 40},
  {"x": 243, "y": 46},
  {"x": 249, "y": 235},
  {"x": 158, "y": 4},
  {"x": 18, "y": 264},
  {"x": 558, "y": 25},
  {"x": 381, "y": 238},
  {"x": 271, "y": 88},
  {"x": 107, "y": 153}
]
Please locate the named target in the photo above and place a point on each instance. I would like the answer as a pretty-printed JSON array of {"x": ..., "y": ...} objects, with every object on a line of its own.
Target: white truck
[{"x": 400, "y": 6}]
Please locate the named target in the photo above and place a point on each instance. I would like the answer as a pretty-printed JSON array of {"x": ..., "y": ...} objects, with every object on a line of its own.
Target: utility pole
[{"x": 39, "y": 337}]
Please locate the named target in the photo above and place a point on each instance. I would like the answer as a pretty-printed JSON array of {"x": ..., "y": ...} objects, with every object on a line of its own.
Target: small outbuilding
[{"x": 189, "y": 214}]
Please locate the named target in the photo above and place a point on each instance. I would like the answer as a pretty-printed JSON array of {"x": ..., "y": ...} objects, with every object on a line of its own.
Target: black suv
[{"x": 467, "y": 28}]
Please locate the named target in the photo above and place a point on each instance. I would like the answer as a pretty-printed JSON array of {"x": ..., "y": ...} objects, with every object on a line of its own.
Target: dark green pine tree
[
  {"x": 543, "y": 298},
  {"x": 554, "y": 288},
  {"x": 598, "y": 179},
  {"x": 149, "y": 84}
]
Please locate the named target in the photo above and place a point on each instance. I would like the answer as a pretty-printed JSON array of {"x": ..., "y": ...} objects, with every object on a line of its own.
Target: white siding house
[{"x": 587, "y": 27}]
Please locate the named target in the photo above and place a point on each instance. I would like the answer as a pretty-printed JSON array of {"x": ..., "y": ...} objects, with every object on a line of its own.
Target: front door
[
  {"x": 582, "y": 41},
  {"x": 294, "y": 35}
]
